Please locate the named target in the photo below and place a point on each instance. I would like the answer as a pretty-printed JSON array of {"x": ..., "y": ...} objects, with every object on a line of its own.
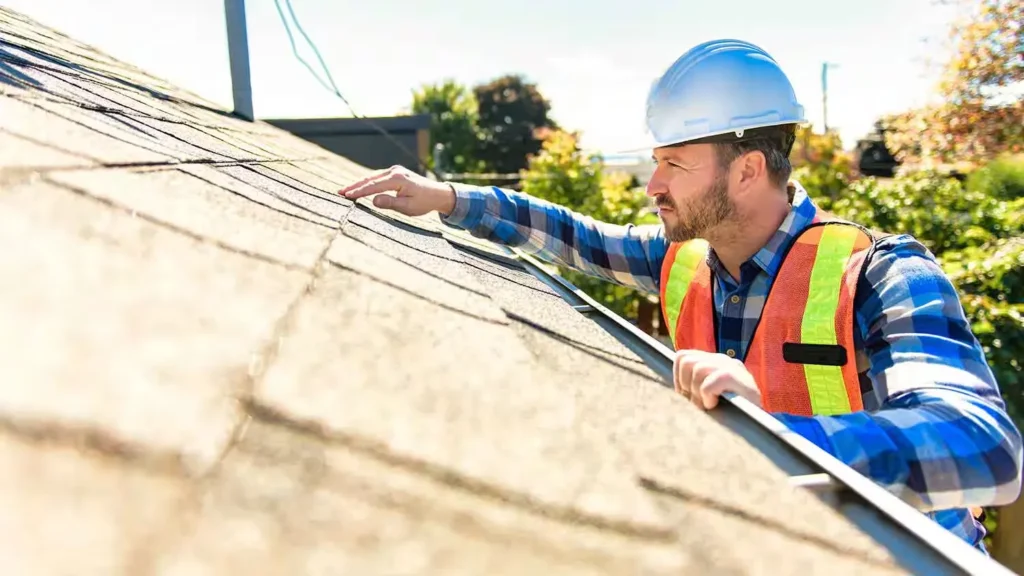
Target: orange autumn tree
[{"x": 980, "y": 114}]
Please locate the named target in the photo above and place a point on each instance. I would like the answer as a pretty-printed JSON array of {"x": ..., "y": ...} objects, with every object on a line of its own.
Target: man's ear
[{"x": 750, "y": 168}]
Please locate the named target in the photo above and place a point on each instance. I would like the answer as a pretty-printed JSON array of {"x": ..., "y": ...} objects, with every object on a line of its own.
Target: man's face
[{"x": 690, "y": 191}]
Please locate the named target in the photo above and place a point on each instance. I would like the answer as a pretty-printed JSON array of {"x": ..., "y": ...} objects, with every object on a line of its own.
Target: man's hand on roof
[
  {"x": 704, "y": 376},
  {"x": 415, "y": 195}
]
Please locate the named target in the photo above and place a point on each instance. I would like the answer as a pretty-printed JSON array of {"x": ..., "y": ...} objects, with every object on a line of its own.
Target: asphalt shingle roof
[{"x": 212, "y": 364}]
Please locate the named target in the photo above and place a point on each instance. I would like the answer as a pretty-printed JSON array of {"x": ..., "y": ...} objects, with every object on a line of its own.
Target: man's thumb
[{"x": 396, "y": 203}]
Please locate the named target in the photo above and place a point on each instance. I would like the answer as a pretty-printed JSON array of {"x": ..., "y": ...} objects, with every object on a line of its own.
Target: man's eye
[{"x": 657, "y": 162}]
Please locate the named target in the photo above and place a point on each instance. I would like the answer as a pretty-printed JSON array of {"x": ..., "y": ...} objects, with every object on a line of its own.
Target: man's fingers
[
  {"x": 683, "y": 367},
  {"x": 386, "y": 183},
  {"x": 375, "y": 175},
  {"x": 397, "y": 203},
  {"x": 677, "y": 379},
  {"x": 703, "y": 377},
  {"x": 714, "y": 386},
  {"x": 703, "y": 368}
]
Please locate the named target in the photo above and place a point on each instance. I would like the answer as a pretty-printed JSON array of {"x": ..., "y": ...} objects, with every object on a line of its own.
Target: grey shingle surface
[
  {"x": 72, "y": 129},
  {"x": 214, "y": 365}
]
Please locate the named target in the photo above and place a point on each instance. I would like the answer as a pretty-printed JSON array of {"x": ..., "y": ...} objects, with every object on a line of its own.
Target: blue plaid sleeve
[
  {"x": 941, "y": 438},
  {"x": 629, "y": 255}
]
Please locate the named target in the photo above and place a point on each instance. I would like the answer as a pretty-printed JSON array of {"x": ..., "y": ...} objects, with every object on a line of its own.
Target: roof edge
[{"x": 353, "y": 125}]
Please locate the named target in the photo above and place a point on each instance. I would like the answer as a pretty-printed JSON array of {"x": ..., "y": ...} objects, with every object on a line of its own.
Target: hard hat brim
[{"x": 650, "y": 144}]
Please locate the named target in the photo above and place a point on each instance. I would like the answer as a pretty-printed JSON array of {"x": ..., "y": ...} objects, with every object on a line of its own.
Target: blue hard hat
[{"x": 716, "y": 88}]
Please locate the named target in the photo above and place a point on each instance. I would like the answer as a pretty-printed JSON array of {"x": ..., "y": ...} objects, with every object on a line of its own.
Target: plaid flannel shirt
[{"x": 934, "y": 431}]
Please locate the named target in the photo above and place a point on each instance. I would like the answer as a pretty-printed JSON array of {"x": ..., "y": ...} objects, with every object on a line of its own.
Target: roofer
[{"x": 855, "y": 340}]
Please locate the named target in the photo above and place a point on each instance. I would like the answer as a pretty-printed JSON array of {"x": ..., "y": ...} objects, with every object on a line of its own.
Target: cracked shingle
[
  {"x": 438, "y": 385},
  {"x": 68, "y": 512},
  {"x": 74, "y": 134},
  {"x": 331, "y": 208},
  {"x": 186, "y": 201},
  {"x": 287, "y": 501},
  {"x": 128, "y": 327}
]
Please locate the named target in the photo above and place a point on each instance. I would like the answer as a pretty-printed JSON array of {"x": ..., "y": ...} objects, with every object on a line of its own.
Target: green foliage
[
  {"x": 978, "y": 117},
  {"x": 1002, "y": 178},
  {"x": 991, "y": 279},
  {"x": 976, "y": 230},
  {"x": 453, "y": 111},
  {"x": 563, "y": 174},
  {"x": 513, "y": 116},
  {"x": 935, "y": 209},
  {"x": 819, "y": 162},
  {"x": 492, "y": 127}
]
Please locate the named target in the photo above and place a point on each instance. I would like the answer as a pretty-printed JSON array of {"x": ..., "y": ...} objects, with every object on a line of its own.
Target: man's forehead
[{"x": 684, "y": 152}]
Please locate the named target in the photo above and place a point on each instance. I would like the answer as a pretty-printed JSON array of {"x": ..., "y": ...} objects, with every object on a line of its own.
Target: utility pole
[
  {"x": 824, "y": 91},
  {"x": 238, "y": 54}
]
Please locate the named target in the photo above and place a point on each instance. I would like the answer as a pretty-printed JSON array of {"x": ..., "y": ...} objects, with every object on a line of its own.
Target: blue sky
[{"x": 594, "y": 64}]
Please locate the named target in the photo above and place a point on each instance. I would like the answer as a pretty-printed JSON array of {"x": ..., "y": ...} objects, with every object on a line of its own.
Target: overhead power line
[{"x": 332, "y": 87}]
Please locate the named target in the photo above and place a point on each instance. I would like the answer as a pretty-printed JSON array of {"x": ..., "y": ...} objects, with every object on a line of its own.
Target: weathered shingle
[
  {"x": 212, "y": 364},
  {"x": 190, "y": 204},
  {"x": 74, "y": 130},
  {"x": 127, "y": 328}
]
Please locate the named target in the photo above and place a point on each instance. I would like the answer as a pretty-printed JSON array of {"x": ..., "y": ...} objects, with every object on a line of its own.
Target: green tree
[
  {"x": 980, "y": 112},
  {"x": 820, "y": 163},
  {"x": 453, "y": 111},
  {"x": 977, "y": 235},
  {"x": 563, "y": 174},
  {"x": 512, "y": 119},
  {"x": 1003, "y": 177},
  {"x": 991, "y": 280},
  {"x": 935, "y": 209}
]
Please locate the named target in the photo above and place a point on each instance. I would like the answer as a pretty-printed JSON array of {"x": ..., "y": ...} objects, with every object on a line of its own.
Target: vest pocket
[{"x": 820, "y": 354}]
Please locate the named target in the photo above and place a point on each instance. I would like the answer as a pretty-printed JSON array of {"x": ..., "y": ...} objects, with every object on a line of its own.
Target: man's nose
[{"x": 655, "y": 186}]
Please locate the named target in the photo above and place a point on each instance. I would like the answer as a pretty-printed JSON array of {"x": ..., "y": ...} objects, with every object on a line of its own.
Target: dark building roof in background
[
  {"x": 212, "y": 364},
  {"x": 314, "y": 126}
]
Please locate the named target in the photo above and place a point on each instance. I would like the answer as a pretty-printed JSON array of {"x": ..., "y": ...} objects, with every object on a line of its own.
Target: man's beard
[{"x": 698, "y": 217}]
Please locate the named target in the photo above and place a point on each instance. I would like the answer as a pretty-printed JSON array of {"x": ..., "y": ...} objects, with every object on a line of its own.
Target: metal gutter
[{"x": 915, "y": 542}]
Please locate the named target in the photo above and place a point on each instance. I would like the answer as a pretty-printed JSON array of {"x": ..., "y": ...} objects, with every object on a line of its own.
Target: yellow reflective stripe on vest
[
  {"x": 688, "y": 258},
  {"x": 825, "y": 383}
]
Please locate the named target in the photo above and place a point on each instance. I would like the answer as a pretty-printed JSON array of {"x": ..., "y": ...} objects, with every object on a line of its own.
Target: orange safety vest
[{"x": 801, "y": 355}]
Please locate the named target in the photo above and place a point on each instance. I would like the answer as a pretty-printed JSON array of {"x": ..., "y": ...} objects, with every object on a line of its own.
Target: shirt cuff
[{"x": 468, "y": 212}]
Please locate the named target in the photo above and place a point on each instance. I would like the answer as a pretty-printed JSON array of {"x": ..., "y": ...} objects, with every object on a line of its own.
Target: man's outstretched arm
[
  {"x": 629, "y": 255},
  {"x": 626, "y": 254},
  {"x": 942, "y": 438}
]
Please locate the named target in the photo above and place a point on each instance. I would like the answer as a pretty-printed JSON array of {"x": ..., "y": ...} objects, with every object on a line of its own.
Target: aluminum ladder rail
[{"x": 915, "y": 542}]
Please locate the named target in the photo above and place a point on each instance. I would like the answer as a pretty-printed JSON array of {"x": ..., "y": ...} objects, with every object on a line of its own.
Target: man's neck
[{"x": 738, "y": 241}]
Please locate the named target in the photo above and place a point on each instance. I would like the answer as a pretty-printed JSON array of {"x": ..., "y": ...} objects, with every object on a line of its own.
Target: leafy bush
[
  {"x": 935, "y": 209},
  {"x": 1002, "y": 178},
  {"x": 976, "y": 230},
  {"x": 563, "y": 174},
  {"x": 820, "y": 164},
  {"x": 991, "y": 280}
]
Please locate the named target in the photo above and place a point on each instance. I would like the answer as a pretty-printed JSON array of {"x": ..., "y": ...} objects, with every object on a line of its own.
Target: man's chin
[{"x": 676, "y": 233}]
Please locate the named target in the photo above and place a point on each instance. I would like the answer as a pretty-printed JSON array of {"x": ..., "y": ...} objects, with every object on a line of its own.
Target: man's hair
[{"x": 774, "y": 142}]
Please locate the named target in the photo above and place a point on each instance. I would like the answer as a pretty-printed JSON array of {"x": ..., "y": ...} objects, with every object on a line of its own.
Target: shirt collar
[
  {"x": 769, "y": 258},
  {"x": 800, "y": 217}
]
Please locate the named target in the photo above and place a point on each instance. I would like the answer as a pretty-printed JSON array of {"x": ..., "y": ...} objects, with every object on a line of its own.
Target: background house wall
[{"x": 360, "y": 141}]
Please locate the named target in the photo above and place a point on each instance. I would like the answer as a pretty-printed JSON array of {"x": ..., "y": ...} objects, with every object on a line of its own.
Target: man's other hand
[
  {"x": 415, "y": 195},
  {"x": 703, "y": 377}
]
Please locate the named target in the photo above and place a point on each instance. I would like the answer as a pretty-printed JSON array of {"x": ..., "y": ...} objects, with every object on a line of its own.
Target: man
[{"x": 856, "y": 340}]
